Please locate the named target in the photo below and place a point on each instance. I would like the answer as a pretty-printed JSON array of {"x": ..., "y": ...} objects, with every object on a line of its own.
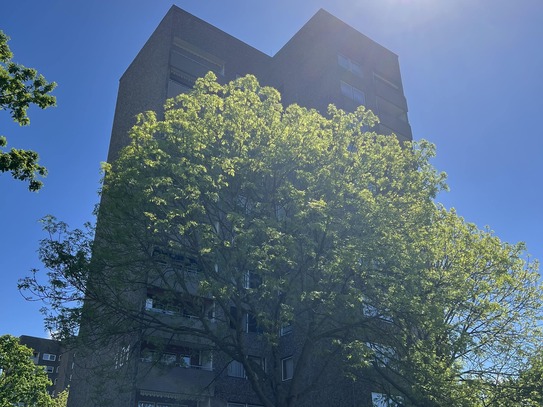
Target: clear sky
[{"x": 472, "y": 73}]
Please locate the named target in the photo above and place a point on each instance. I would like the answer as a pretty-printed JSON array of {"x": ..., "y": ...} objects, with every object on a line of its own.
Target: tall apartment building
[{"x": 325, "y": 62}]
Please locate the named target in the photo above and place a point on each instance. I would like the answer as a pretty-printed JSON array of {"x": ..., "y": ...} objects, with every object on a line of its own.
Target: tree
[
  {"x": 525, "y": 390},
  {"x": 66, "y": 254},
  {"x": 282, "y": 220},
  {"x": 21, "y": 381},
  {"x": 466, "y": 317},
  {"x": 21, "y": 87},
  {"x": 61, "y": 399}
]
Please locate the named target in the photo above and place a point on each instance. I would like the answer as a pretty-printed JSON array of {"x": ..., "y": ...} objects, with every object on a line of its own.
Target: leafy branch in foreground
[
  {"x": 21, "y": 87},
  {"x": 66, "y": 254}
]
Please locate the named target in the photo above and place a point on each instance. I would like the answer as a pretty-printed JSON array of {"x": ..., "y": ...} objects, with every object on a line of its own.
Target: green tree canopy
[
  {"x": 61, "y": 399},
  {"x": 296, "y": 220},
  {"x": 21, "y": 381},
  {"x": 21, "y": 87}
]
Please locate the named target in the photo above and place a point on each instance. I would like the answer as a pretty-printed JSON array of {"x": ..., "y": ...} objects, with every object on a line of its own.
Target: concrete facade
[
  {"x": 326, "y": 62},
  {"x": 319, "y": 65}
]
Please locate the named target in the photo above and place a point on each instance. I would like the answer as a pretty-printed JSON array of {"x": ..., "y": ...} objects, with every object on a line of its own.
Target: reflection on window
[
  {"x": 382, "y": 400},
  {"x": 383, "y": 354}
]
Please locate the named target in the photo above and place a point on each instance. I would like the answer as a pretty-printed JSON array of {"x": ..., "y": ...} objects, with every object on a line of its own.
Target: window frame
[
  {"x": 382, "y": 79},
  {"x": 352, "y": 93},
  {"x": 287, "y": 365},
  {"x": 49, "y": 356},
  {"x": 286, "y": 329},
  {"x": 236, "y": 369},
  {"x": 350, "y": 65},
  {"x": 239, "y": 370}
]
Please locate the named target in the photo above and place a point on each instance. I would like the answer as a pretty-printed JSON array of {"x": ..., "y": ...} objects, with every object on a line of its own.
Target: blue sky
[{"x": 472, "y": 72}]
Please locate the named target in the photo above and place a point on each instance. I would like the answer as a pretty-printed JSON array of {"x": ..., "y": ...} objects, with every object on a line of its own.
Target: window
[
  {"x": 382, "y": 400},
  {"x": 381, "y": 79},
  {"x": 287, "y": 368},
  {"x": 251, "y": 280},
  {"x": 389, "y": 109},
  {"x": 121, "y": 356},
  {"x": 242, "y": 405},
  {"x": 258, "y": 361},
  {"x": 179, "y": 356},
  {"x": 148, "y": 356},
  {"x": 355, "y": 94},
  {"x": 193, "y": 58},
  {"x": 171, "y": 303},
  {"x": 252, "y": 325},
  {"x": 49, "y": 356},
  {"x": 372, "y": 312},
  {"x": 168, "y": 359},
  {"x": 382, "y": 354},
  {"x": 165, "y": 307},
  {"x": 233, "y": 317},
  {"x": 350, "y": 65},
  {"x": 191, "y": 310},
  {"x": 190, "y": 358},
  {"x": 249, "y": 322},
  {"x": 175, "y": 261},
  {"x": 178, "y": 83},
  {"x": 236, "y": 369},
  {"x": 286, "y": 329}
]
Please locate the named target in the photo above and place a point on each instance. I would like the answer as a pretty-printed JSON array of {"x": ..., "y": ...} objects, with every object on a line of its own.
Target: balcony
[{"x": 177, "y": 371}]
